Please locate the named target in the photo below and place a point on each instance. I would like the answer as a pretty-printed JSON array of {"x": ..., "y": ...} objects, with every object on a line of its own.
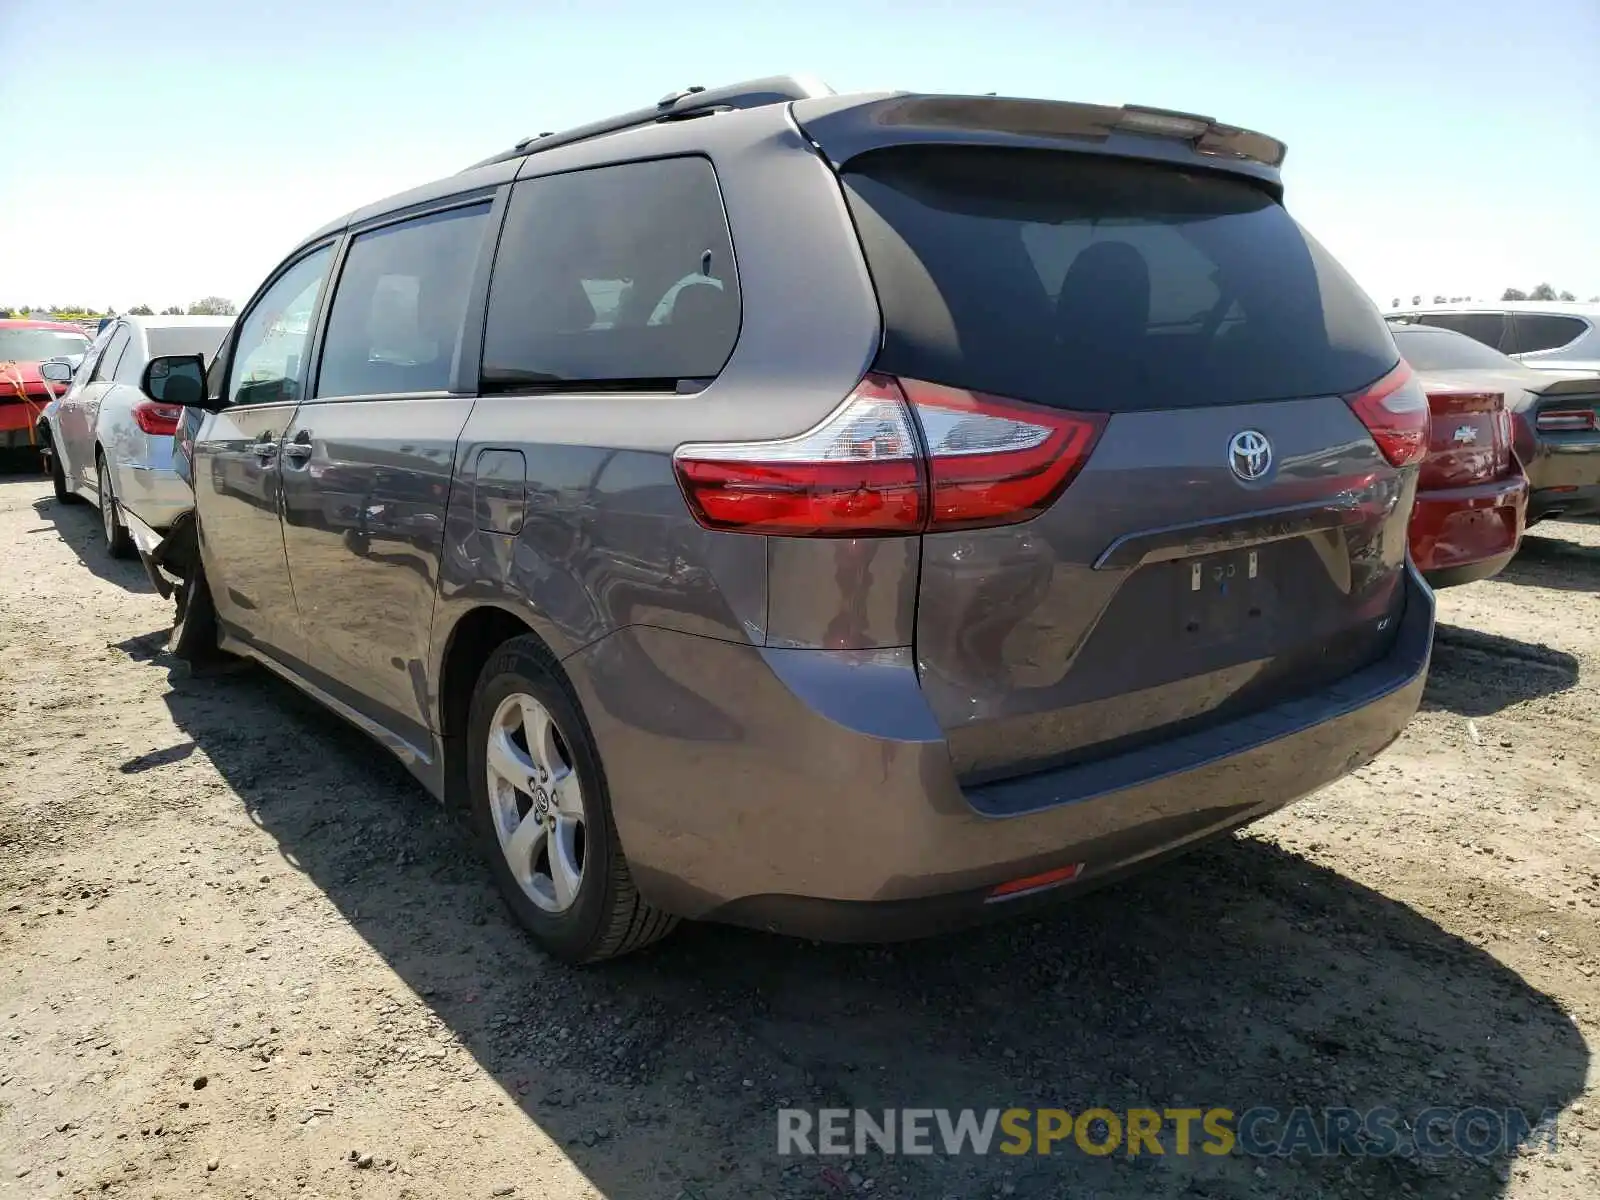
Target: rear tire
[
  {"x": 118, "y": 543},
  {"x": 194, "y": 628},
  {"x": 600, "y": 914}
]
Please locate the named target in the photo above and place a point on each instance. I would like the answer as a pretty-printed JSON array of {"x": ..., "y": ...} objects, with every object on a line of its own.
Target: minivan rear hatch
[{"x": 1235, "y": 537}]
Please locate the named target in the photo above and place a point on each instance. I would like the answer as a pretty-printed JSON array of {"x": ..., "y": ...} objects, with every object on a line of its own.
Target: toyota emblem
[{"x": 1250, "y": 455}]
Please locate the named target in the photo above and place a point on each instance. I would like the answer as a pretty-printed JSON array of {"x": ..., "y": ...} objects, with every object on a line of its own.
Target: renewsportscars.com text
[{"x": 1383, "y": 1132}]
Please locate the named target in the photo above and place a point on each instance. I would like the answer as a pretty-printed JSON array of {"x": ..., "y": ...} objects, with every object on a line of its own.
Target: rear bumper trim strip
[
  {"x": 1407, "y": 659},
  {"x": 1208, "y": 537}
]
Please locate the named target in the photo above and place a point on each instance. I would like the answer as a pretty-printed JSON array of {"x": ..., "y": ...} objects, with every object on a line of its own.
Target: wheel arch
[
  {"x": 471, "y": 641},
  {"x": 61, "y": 449}
]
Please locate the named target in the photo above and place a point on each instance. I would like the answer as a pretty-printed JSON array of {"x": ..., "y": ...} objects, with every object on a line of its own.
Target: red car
[
  {"x": 23, "y": 394},
  {"x": 1472, "y": 494}
]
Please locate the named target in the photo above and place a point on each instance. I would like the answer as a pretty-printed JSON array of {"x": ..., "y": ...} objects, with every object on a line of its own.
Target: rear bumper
[
  {"x": 811, "y": 792},
  {"x": 19, "y": 421},
  {"x": 156, "y": 495},
  {"x": 145, "y": 541},
  {"x": 17, "y": 417},
  {"x": 1564, "y": 476},
  {"x": 1563, "y": 501},
  {"x": 1461, "y": 534},
  {"x": 18, "y": 439}
]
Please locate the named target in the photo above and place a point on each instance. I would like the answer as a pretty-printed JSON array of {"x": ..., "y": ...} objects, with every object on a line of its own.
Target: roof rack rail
[{"x": 691, "y": 102}]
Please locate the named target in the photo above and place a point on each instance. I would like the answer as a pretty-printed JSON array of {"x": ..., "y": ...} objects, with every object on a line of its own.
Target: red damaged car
[
  {"x": 23, "y": 394},
  {"x": 1472, "y": 494}
]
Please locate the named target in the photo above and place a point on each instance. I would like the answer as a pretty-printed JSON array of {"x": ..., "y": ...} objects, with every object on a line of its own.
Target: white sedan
[{"x": 110, "y": 443}]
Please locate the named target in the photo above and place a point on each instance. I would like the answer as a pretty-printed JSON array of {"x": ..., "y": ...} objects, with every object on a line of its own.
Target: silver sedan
[{"x": 112, "y": 444}]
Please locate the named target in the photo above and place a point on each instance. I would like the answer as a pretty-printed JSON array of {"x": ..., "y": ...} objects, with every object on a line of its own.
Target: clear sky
[{"x": 157, "y": 151}]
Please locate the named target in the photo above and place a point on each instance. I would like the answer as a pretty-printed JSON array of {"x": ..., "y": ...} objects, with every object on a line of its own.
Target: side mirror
[
  {"x": 177, "y": 379},
  {"x": 56, "y": 370}
]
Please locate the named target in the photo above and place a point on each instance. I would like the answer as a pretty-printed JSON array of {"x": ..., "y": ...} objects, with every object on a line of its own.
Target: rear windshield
[
  {"x": 1086, "y": 282},
  {"x": 1441, "y": 350},
  {"x": 185, "y": 339}
]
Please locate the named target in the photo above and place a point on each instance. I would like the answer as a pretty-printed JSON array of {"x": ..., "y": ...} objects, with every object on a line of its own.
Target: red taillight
[
  {"x": 979, "y": 461},
  {"x": 994, "y": 461},
  {"x": 157, "y": 418},
  {"x": 1395, "y": 412},
  {"x": 1578, "y": 420},
  {"x": 858, "y": 472}
]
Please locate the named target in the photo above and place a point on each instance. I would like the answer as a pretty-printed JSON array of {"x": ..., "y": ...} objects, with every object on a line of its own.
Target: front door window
[{"x": 269, "y": 356}]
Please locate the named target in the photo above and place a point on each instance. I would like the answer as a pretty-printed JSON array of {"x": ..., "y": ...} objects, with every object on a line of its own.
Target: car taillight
[
  {"x": 157, "y": 418},
  {"x": 1395, "y": 412},
  {"x": 1579, "y": 420},
  {"x": 857, "y": 472},
  {"x": 897, "y": 457},
  {"x": 993, "y": 461}
]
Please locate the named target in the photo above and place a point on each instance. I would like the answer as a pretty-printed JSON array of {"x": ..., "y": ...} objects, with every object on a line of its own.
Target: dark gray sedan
[{"x": 1555, "y": 414}]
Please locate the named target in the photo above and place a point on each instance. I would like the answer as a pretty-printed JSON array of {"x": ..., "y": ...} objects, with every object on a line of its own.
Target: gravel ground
[{"x": 243, "y": 955}]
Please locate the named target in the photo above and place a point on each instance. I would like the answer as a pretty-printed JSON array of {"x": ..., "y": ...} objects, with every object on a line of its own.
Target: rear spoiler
[
  {"x": 845, "y": 126},
  {"x": 1589, "y": 386}
]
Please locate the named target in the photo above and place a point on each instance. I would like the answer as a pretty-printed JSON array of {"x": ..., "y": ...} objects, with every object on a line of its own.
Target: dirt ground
[{"x": 243, "y": 955}]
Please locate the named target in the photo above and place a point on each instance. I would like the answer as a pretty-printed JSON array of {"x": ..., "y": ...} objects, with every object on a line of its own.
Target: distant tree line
[
  {"x": 1543, "y": 292},
  {"x": 207, "y": 306}
]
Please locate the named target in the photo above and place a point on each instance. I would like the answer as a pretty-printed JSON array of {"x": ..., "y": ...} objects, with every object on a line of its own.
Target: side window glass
[
  {"x": 131, "y": 365},
  {"x": 108, "y": 361},
  {"x": 1535, "y": 331},
  {"x": 619, "y": 276},
  {"x": 401, "y": 299},
  {"x": 271, "y": 347},
  {"x": 91, "y": 359},
  {"x": 217, "y": 372},
  {"x": 1487, "y": 328}
]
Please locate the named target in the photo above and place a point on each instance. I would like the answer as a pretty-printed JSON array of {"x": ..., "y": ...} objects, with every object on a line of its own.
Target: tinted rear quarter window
[
  {"x": 1488, "y": 328},
  {"x": 1538, "y": 331},
  {"x": 1088, "y": 282},
  {"x": 616, "y": 276}
]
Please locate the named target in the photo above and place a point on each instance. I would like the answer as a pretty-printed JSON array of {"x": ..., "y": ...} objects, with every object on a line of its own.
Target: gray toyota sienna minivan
[{"x": 847, "y": 515}]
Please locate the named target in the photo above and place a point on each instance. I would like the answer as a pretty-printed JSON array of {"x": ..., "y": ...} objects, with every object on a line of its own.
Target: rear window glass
[
  {"x": 1085, "y": 282},
  {"x": 397, "y": 313},
  {"x": 1532, "y": 332},
  {"x": 619, "y": 276},
  {"x": 1441, "y": 350},
  {"x": 1488, "y": 328},
  {"x": 177, "y": 339}
]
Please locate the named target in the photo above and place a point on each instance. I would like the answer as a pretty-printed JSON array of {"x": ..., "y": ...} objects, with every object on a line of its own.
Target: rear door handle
[{"x": 300, "y": 449}]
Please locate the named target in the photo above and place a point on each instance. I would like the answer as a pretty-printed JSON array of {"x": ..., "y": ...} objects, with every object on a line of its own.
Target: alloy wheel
[{"x": 537, "y": 802}]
